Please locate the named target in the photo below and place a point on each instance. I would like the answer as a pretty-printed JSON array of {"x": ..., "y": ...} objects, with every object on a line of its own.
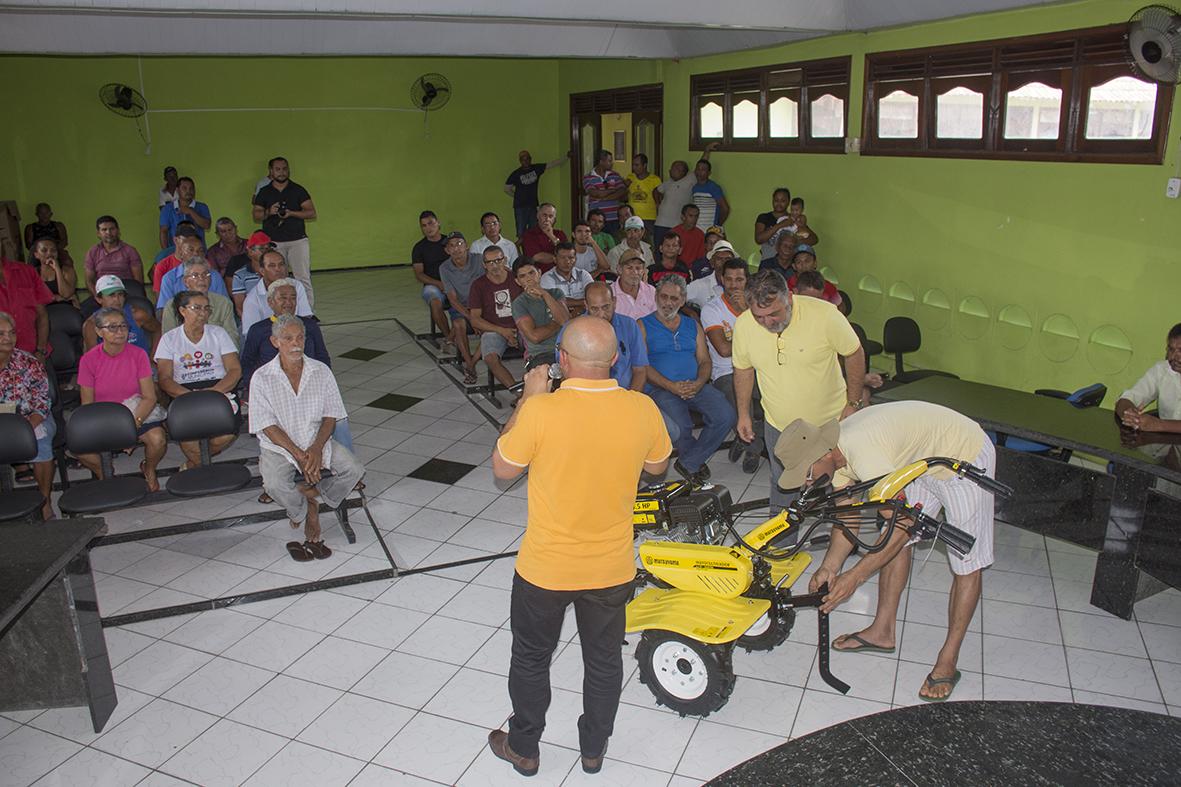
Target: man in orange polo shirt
[{"x": 578, "y": 542}]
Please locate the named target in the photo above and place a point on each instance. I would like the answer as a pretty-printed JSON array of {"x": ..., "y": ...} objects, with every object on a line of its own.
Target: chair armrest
[{"x": 1052, "y": 392}]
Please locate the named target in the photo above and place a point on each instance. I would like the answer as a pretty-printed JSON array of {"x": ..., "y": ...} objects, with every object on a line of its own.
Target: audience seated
[
  {"x": 706, "y": 288},
  {"x": 23, "y": 296},
  {"x": 812, "y": 284},
  {"x": 117, "y": 371},
  {"x": 540, "y": 242},
  {"x": 679, "y": 371},
  {"x": 589, "y": 255},
  {"x": 692, "y": 238},
  {"x": 56, "y": 272},
  {"x": 187, "y": 244},
  {"x": 718, "y": 316},
  {"x": 24, "y": 389},
  {"x": 539, "y": 313},
  {"x": 630, "y": 368},
  {"x": 625, "y": 213},
  {"x": 257, "y": 348},
  {"x": 490, "y": 227},
  {"x": 634, "y": 297},
  {"x": 785, "y": 251},
  {"x": 633, "y": 240},
  {"x": 428, "y": 254},
  {"x": 490, "y": 306},
  {"x": 701, "y": 267},
  {"x": 184, "y": 208},
  {"x": 457, "y": 273},
  {"x": 605, "y": 189},
  {"x": 596, "y": 220},
  {"x": 46, "y": 227},
  {"x": 142, "y": 327},
  {"x": 243, "y": 270},
  {"x": 111, "y": 256},
  {"x": 294, "y": 406},
  {"x": 229, "y": 245},
  {"x": 254, "y": 307},
  {"x": 669, "y": 263},
  {"x": 196, "y": 355},
  {"x": 196, "y": 276},
  {"x": 567, "y": 278}
]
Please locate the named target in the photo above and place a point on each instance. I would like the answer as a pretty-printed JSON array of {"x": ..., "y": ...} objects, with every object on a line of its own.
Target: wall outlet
[
  {"x": 853, "y": 145},
  {"x": 1173, "y": 188}
]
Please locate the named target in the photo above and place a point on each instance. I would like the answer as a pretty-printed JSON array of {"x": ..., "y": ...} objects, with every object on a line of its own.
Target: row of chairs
[{"x": 106, "y": 427}]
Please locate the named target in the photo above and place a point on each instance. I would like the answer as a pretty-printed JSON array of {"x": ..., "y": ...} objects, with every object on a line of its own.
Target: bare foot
[
  {"x": 149, "y": 476},
  {"x": 311, "y": 527},
  {"x": 47, "y": 511}
]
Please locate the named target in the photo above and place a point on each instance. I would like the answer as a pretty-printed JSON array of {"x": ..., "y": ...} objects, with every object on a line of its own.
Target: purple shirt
[
  {"x": 114, "y": 378},
  {"x": 640, "y": 306},
  {"x": 119, "y": 262}
]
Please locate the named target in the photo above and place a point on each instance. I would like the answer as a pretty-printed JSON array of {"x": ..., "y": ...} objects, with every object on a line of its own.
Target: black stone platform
[{"x": 978, "y": 743}]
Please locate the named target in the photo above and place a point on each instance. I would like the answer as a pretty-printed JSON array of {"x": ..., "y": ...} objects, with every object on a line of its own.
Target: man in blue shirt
[
  {"x": 630, "y": 368},
  {"x": 174, "y": 282},
  {"x": 713, "y": 209},
  {"x": 184, "y": 208}
]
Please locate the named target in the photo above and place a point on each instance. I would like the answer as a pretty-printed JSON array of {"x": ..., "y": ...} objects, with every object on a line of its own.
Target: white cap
[
  {"x": 108, "y": 284},
  {"x": 634, "y": 223}
]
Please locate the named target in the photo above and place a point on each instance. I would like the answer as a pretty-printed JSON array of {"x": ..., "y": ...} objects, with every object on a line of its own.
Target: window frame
[
  {"x": 1074, "y": 61},
  {"x": 816, "y": 78}
]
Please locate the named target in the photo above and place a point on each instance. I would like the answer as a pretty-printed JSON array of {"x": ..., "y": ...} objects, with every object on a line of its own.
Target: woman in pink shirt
[{"x": 118, "y": 371}]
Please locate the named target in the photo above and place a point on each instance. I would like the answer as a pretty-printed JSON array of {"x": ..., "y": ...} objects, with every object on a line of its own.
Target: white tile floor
[{"x": 397, "y": 682}]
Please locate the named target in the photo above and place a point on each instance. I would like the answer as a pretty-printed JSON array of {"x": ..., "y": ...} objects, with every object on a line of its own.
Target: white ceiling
[{"x": 510, "y": 28}]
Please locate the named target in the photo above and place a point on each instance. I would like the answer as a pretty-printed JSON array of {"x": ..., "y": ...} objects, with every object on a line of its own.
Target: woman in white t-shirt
[{"x": 194, "y": 356}]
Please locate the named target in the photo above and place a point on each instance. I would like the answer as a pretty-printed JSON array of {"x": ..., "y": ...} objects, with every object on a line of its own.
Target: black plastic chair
[
  {"x": 57, "y": 407},
  {"x": 200, "y": 416},
  {"x": 64, "y": 354},
  {"x": 100, "y": 428},
  {"x": 901, "y": 335},
  {"x": 871, "y": 347},
  {"x": 64, "y": 318},
  {"x": 17, "y": 444}
]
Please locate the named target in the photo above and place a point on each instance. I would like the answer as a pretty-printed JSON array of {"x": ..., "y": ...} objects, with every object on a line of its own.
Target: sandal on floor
[
  {"x": 469, "y": 376},
  {"x": 863, "y": 645},
  {"x": 317, "y": 549},
  {"x": 153, "y": 486},
  {"x": 299, "y": 552},
  {"x": 931, "y": 682},
  {"x": 264, "y": 498}
]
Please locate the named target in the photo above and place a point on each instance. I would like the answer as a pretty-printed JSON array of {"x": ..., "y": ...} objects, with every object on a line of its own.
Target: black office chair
[
  {"x": 17, "y": 444},
  {"x": 871, "y": 347},
  {"x": 1088, "y": 396},
  {"x": 64, "y": 354},
  {"x": 847, "y": 301},
  {"x": 902, "y": 335},
  {"x": 64, "y": 318},
  {"x": 100, "y": 428},
  {"x": 200, "y": 416},
  {"x": 57, "y": 409}
]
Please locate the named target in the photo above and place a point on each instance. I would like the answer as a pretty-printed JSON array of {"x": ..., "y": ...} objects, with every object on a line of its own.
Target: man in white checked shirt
[
  {"x": 294, "y": 406},
  {"x": 871, "y": 443}
]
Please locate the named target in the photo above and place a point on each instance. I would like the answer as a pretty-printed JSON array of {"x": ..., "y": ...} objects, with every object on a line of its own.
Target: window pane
[
  {"x": 959, "y": 114},
  {"x": 898, "y": 116},
  {"x": 746, "y": 115},
  {"x": 1032, "y": 112},
  {"x": 1122, "y": 108},
  {"x": 784, "y": 115},
  {"x": 709, "y": 114},
  {"x": 828, "y": 117}
]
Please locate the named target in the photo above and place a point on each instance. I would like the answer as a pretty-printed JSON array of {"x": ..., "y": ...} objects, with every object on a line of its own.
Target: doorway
[{"x": 625, "y": 121}]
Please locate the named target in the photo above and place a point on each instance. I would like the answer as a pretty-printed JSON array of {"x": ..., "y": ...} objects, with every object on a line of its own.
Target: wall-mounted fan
[
  {"x": 1154, "y": 43},
  {"x": 430, "y": 92},
  {"x": 127, "y": 102}
]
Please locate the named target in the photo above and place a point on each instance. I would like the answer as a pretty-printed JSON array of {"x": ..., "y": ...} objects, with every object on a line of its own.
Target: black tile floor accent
[
  {"x": 441, "y": 471},
  {"x": 392, "y": 401},
  {"x": 362, "y": 354}
]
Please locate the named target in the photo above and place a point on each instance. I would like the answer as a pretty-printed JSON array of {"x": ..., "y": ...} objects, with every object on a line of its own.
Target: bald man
[{"x": 585, "y": 445}]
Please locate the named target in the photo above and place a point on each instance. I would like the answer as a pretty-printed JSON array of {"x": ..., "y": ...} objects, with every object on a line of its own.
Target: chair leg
[{"x": 342, "y": 514}]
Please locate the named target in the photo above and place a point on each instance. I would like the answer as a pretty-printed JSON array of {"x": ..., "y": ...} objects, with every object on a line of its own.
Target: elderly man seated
[
  {"x": 633, "y": 234},
  {"x": 679, "y": 369},
  {"x": 272, "y": 266},
  {"x": 182, "y": 278},
  {"x": 197, "y": 277},
  {"x": 257, "y": 348},
  {"x": 294, "y": 406}
]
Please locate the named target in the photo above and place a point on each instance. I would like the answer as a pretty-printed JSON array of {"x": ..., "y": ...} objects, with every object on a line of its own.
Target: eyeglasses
[
  {"x": 194, "y": 308},
  {"x": 780, "y": 347},
  {"x": 197, "y": 276},
  {"x": 495, "y": 261},
  {"x": 676, "y": 342},
  {"x": 118, "y": 327},
  {"x": 8, "y": 334}
]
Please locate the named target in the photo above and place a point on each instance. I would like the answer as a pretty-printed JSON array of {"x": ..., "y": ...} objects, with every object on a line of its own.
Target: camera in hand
[{"x": 282, "y": 210}]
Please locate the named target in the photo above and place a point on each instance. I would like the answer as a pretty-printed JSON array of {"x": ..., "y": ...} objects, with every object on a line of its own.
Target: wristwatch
[{"x": 856, "y": 405}]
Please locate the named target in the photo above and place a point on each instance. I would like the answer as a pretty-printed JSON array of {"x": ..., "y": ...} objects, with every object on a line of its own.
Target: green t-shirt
[
  {"x": 526, "y": 306},
  {"x": 605, "y": 241}
]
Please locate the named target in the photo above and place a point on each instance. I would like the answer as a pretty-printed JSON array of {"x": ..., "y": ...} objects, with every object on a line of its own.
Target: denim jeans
[
  {"x": 725, "y": 384},
  {"x": 526, "y": 218},
  {"x": 719, "y": 417},
  {"x": 536, "y": 616}
]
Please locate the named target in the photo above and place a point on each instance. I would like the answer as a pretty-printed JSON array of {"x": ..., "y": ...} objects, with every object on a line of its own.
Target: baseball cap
[
  {"x": 450, "y": 236},
  {"x": 259, "y": 239},
  {"x": 722, "y": 245},
  {"x": 109, "y": 284},
  {"x": 716, "y": 230},
  {"x": 634, "y": 223},
  {"x": 186, "y": 230},
  {"x": 805, "y": 247},
  {"x": 799, "y": 445}
]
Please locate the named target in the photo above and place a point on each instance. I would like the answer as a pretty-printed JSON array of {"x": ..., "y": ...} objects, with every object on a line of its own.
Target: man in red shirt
[
  {"x": 491, "y": 303},
  {"x": 541, "y": 241},
  {"x": 692, "y": 238},
  {"x": 23, "y": 295},
  {"x": 188, "y": 245}
]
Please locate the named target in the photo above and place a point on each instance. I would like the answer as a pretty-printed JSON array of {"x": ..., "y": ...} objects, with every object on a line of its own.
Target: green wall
[
  {"x": 1089, "y": 248},
  {"x": 369, "y": 173}
]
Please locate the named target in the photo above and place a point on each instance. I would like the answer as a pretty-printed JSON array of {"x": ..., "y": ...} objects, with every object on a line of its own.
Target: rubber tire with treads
[
  {"x": 773, "y": 635},
  {"x": 707, "y": 668}
]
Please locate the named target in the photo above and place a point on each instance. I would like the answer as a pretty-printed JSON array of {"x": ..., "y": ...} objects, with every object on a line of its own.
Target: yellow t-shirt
[
  {"x": 808, "y": 383},
  {"x": 585, "y": 445},
  {"x": 639, "y": 196},
  {"x": 882, "y": 438}
]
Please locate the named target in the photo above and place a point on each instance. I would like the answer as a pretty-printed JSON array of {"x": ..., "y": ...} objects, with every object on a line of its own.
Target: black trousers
[{"x": 536, "y": 618}]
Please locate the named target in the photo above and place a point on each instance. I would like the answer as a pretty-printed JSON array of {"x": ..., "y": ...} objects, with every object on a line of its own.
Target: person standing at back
[
  {"x": 604, "y": 189},
  {"x": 521, "y": 184},
  {"x": 673, "y": 194},
  {"x": 585, "y": 446},
  {"x": 641, "y": 189},
  {"x": 283, "y": 207}
]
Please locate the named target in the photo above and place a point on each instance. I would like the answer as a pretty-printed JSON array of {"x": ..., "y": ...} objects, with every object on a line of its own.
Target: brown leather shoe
[
  {"x": 594, "y": 764},
  {"x": 498, "y": 743}
]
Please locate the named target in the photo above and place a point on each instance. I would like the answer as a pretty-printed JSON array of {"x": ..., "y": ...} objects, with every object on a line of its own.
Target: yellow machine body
[
  {"x": 703, "y": 568},
  {"x": 891, "y": 485},
  {"x": 707, "y": 618},
  {"x": 792, "y": 568}
]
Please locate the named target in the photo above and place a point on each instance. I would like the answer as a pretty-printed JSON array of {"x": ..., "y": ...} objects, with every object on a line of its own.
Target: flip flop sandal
[
  {"x": 863, "y": 645},
  {"x": 264, "y": 498},
  {"x": 299, "y": 552},
  {"x": 143, "y": 472},
  {"x": 317, "y": 549},
  {"x": 359, "y": 487},
  {"x": 469, "y": 376},
  {"x": 931, "y": 682}
]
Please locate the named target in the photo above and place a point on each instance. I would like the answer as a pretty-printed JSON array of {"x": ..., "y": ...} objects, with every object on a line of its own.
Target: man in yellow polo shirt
[
  {"x": 585, "y": 446},
  {"x": 792, "y": 345}
]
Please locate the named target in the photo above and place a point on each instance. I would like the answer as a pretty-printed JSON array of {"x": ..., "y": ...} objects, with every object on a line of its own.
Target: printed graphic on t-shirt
[
  {"x": 193, "y": 365},
  {"x": 504, "y": 303},
  {"x": 528, "y": 178}
]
